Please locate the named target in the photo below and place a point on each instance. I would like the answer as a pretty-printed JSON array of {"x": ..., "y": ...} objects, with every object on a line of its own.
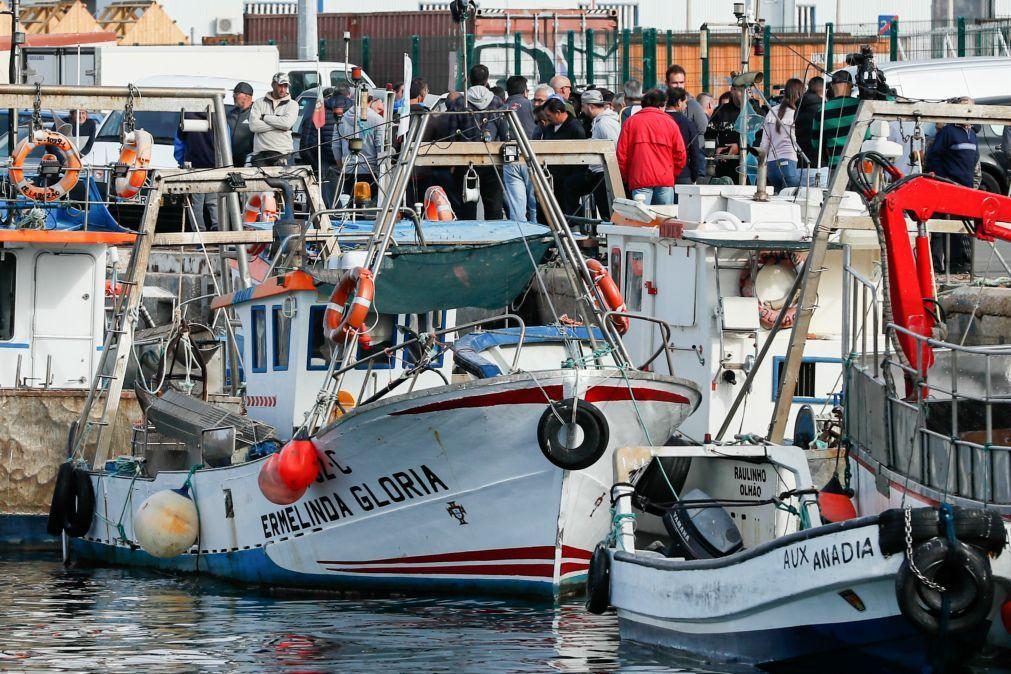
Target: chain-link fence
[{"x": 608, "y": 58}]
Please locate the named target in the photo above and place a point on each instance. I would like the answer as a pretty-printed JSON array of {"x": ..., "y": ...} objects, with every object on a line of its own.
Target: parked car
[
  {"x": 982, "y": 78},
  {"x": 305, "y": 75}
]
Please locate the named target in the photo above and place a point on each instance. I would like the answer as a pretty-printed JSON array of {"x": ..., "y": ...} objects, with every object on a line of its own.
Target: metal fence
[{"x": 607, "y": 58}]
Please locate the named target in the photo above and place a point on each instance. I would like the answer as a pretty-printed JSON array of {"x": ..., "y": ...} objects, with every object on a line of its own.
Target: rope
[
  {"x": 120, "y": 466},
  {"x": 187, "y": 486},
  {"x": 616, "y": 521}
]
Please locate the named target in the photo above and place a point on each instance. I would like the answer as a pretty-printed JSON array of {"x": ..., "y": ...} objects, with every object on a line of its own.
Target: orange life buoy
[
  {"x": 437, "y": 206},
  {"x": 64, "y": 150},
  {"x": 612, "y": 296},
  {"x": 260, "y": 207},
  {"x": 358, "y": 287},
  {"x": 136, "y": 155},
  {"x": 768, "y": 311}
]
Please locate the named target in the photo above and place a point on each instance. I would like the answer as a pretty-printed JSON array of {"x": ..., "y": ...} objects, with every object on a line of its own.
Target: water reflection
[{"x": 119, "y": 620}]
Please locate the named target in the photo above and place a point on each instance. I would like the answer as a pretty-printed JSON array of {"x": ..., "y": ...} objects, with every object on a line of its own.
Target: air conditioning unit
[{"x": 227, "y": 25}]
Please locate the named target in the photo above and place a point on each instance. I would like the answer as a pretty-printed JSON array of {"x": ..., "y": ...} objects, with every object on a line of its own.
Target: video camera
[{"x": 870, "y": 81}]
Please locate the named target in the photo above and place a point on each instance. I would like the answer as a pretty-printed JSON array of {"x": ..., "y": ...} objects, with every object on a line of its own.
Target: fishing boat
[
  {"x": 761, "y": 581},
  {"x": 59, "y": 280},
  {"x": 428, "y": 459},
  {"x": 56, "y": 265},
  {"x": 922, "y": 485}
]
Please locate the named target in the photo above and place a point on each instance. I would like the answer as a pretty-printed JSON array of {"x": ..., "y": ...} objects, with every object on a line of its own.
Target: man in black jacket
[
  {"x": 695, "y": 168},
  {"x": 195, "y": 149},
  {"x": 483, "y": 124},
  {"x": 238, "y": 123}
]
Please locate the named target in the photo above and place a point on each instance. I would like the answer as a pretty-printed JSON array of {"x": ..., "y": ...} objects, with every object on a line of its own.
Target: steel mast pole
[{"x": 17, "y": 38}]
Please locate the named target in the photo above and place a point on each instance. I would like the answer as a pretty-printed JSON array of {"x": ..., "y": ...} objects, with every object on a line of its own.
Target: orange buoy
[
  {"x": 298, "y": 464},
  {"x": 834, "y": 503},
  {"x": 338, "y": 320},
  {"x": 437, "y": 206},
  {"x": 273, "y": 487},
  {"x": 136, "y": 155},
  {"x": 612, "y": 296}
]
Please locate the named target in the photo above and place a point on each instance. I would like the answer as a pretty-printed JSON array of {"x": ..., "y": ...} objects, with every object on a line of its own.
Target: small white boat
[{"x": 741, "y": 570}]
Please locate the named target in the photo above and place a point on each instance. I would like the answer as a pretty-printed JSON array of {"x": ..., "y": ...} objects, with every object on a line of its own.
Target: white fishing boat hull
[
  {"x": 822, "y": 598},
  {"x": 438, "y": 490}
]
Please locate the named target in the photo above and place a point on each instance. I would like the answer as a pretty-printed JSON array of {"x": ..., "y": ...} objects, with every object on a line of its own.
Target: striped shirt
[{"x": 839, "y": 115}]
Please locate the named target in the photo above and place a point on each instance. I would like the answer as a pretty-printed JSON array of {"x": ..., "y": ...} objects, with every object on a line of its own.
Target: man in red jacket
[{"x": 651, "y": 152}]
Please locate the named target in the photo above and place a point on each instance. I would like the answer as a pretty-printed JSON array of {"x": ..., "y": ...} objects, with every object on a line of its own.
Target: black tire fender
[
  {"x": 965, "y": 573},
  {"x": 598, "y": 581},
  {"x": 981, "y": 526},
  {"x": 590, "y": 420},
  {"x": 62, "y": 495},
  {"x": 81, "y": 508}
]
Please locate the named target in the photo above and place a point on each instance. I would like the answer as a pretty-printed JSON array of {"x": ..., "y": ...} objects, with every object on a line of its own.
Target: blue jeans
[
  {"x": 655, "y": 196},
  {"x": 520, "y": 199},
  {"x": 783, "y": 173}
]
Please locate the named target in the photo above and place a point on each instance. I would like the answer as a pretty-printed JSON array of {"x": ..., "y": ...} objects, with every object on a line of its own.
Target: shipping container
[{"x": 537, "y": 41}]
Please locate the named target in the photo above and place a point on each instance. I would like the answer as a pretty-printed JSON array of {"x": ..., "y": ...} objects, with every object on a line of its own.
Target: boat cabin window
[
  {"x": 282, "y": 336},
  {"x": 8, "y": 275},
  {"x": 382, "y": 329},
  {"x": 258, "y": 343},
  {"x": 633, "y": 279}
]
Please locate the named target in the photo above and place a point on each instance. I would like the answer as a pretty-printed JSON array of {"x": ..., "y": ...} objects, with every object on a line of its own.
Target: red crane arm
[{"x": 911, "y": 277}]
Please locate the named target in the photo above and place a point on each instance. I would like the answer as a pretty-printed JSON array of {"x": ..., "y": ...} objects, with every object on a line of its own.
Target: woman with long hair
[{"x": 779, "y": 140}]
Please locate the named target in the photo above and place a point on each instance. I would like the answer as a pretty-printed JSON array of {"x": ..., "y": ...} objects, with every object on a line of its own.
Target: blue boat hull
[
  {"x": 883, "y": 645},
  {"x": 26, "y": 532}
]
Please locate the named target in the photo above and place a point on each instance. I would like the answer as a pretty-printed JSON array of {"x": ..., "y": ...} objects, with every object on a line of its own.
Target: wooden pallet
[{"x": 142, "y": 22}]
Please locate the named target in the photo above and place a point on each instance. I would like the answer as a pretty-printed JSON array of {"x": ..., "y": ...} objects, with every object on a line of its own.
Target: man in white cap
[{"x": 271, "y": 119}]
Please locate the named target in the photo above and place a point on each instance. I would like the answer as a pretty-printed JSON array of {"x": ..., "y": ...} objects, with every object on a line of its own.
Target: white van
[
  {"x": 160, "y": 124},
  {"x": 983, "y": 78},
  {"x": 938, "y": 79},
  {"x": 306, "y": 74}
]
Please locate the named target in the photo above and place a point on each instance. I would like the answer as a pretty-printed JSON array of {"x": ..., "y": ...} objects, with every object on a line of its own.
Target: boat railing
[
  {"x": 387, "y": 352},
  {"x": 861, "y": 316},
  {"x": 665, "y": 335},
  {"x": 947, "y": 419}
]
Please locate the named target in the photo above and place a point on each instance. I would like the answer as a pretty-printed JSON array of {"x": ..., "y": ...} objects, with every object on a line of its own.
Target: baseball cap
[
  {"x": 280, "y": 78},
  {"x": 842, "y": 77},
  {"x": 592, "y": 97},
  {"x": 243, "y": 88}
]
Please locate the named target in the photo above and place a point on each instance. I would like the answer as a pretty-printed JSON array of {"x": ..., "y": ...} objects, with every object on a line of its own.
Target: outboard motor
[{"x": 700, "y": 531}]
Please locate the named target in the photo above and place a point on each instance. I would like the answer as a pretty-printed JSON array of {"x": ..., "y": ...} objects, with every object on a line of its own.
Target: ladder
[{"x": 101, "y": 407}]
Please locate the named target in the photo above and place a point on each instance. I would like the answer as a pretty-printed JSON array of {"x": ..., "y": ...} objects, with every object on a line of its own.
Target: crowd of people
[{"x": 658, "y": 137}]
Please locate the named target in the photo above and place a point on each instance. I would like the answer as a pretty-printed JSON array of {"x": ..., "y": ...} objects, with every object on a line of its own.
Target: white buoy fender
[{"x": 166, "y": 524}]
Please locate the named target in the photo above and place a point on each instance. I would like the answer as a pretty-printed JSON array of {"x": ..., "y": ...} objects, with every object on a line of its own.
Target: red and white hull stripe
[{"x": 529, "y": 562}]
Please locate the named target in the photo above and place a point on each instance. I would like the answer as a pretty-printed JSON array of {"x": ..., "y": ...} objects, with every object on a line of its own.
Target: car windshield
[
  {"x": 303, "y": 80},
  {"x": 160, "y": 124}
]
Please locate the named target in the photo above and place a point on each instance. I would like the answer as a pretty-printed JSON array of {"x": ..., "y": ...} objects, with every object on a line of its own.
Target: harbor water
[{"x": 58, "y": 619}]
